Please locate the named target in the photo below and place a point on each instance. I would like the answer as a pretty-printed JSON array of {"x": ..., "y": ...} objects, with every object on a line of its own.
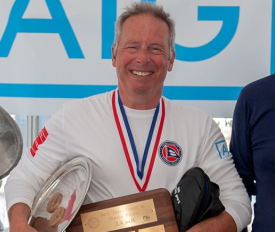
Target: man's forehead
[{"x": 139, "y": 26}]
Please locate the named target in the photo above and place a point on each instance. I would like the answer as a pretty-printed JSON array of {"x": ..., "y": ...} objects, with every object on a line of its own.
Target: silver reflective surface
[
  {"x": 11, "y": 143},
  {"x": 4, "y": 224},
  {"x": 72, "y": 180}
]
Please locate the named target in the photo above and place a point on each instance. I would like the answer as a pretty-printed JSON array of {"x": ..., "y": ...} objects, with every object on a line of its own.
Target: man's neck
[{"x": 139, "y": 101}]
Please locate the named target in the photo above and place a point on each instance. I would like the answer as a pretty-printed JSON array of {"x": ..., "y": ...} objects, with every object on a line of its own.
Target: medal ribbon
[
  {"x": 122, "y": 138},
  {"x": 131, "y": 138}
]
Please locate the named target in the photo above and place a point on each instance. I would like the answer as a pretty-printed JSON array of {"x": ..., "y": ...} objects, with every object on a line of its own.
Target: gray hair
[{"x": 139, "y": 8}]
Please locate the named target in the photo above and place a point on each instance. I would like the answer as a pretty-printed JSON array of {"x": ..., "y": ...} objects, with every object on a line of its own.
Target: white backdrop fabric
[{"x": 53, "y": 51}]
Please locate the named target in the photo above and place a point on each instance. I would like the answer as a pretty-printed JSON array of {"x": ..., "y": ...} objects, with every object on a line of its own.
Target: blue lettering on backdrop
[
  {"x": 229, "y": 16},
  {"x": 58, "y": 24}
]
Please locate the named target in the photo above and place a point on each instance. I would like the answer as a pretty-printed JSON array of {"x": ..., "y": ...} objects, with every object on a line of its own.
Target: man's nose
[{"x": 143, "y": 56}]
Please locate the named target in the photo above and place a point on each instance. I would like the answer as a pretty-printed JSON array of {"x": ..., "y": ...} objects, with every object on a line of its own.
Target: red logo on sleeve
[{"x": 42, "y": 136}]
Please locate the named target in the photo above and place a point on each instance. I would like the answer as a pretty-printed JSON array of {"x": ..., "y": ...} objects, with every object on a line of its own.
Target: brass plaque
[
  {"x": 159, "y": 228},
  {"x": 141, "y": 212},
  {"x": 120, "y": 217}
]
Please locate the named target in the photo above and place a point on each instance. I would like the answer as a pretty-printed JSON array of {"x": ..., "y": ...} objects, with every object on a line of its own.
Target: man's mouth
[{"x": 141, "y": 73}]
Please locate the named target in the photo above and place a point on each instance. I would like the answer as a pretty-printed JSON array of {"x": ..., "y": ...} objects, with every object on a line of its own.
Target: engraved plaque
[
  {"x": 119, "y": 217},
  {"x": 149, "y": 211}
]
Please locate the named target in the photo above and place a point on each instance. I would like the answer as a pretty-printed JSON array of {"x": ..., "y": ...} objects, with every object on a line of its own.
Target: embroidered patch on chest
[{"x": 170, "y": 153}]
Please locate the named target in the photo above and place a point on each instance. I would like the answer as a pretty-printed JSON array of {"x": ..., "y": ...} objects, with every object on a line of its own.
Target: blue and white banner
[{"x": 52, "y": 51}]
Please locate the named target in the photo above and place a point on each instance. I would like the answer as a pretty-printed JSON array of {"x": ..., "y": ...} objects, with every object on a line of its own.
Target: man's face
[{"x": 142, "y": 58}]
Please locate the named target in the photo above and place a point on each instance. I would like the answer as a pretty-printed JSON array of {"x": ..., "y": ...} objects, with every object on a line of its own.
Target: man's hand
[
  {"x": 220, "y": 223},
  {"x": 22, "y": 227},
  {"x": 18, "y": 216}
]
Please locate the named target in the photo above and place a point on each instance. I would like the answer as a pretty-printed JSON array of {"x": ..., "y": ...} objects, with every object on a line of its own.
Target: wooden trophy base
[{"x": 149, "y": 211}]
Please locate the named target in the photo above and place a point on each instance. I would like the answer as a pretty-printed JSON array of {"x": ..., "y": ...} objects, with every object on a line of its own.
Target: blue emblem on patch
[
  {"x": 170, "y": 153},
  {"x": 222, "y": 149}
]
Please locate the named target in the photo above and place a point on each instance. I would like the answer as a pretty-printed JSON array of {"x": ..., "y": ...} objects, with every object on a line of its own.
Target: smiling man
[
  {"x": 142, "y": 57},
  {"x": 136, "y": 139}
]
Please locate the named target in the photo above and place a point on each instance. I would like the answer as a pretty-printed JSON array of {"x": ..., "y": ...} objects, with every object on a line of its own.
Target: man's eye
[
  {"x": 132, "y": 47},
  {"x": 156, "y": 50}
]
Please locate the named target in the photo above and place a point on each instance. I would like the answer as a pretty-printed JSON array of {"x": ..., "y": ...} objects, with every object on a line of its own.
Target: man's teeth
[{"x": 141, "y": 73}]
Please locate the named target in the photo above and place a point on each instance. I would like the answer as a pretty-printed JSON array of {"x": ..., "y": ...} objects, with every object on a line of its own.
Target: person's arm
[
  {"x": 30, "y": 174},
  {"x": 240, "y": 144},
  {"x": 18, "y": 216},
  {"x": 218, "y": 164},
  {"x": 220, "y": 223}
]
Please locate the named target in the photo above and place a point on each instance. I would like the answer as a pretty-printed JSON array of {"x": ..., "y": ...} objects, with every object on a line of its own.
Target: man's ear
[
  {"x": 113, "y": 57},
  {"x": 172, "y": 59}
]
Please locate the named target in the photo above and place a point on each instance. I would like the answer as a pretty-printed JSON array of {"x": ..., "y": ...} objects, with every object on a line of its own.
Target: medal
[{"x": 140, "y": 173}]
